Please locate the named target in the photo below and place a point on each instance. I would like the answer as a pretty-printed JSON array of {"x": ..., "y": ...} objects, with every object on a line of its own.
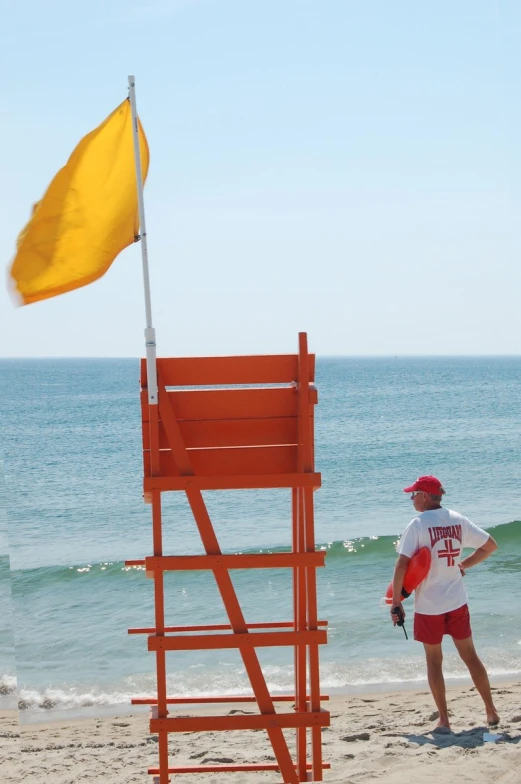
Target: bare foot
[
  {"x": 442, "y": 727},
  {"x": 492, "y": 718}
]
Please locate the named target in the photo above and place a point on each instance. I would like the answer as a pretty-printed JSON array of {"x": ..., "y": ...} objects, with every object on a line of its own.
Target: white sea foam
[
  {"x": 8, "y": 684},
  {"x": 352, "y": 677}
]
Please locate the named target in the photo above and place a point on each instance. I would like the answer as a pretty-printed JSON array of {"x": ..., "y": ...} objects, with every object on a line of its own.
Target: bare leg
[
  {"x": 434, "y": 657},
  {"x": 479, "y": 675}
]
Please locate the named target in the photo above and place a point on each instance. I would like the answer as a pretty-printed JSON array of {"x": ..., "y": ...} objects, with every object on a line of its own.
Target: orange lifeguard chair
[{"x": 245, "y": 422}]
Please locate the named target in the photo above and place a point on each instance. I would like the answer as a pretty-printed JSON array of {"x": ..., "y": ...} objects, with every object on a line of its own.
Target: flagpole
[{"x": 150, "y": 333}]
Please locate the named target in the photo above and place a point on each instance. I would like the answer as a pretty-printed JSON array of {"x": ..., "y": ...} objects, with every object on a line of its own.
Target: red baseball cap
[{"x": 429, "y": 484}]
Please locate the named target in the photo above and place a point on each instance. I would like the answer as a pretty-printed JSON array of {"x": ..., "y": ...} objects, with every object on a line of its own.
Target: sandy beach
[{"x": 386, "y": 738}]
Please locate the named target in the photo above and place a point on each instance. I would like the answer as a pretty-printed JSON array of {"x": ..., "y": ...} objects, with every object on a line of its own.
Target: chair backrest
[{"x": 236, "y": 415}]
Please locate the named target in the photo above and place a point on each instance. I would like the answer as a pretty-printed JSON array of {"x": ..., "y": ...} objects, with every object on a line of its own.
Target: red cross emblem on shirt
[{"x": 449, "y": 553}]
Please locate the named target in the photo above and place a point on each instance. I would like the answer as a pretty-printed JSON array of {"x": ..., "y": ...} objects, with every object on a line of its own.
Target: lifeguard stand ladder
[{"x": 223, "y": 438}]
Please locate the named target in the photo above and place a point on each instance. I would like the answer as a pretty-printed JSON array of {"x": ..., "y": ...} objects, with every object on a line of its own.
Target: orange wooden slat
[
  {"x": 201, "y": 642},
  {"x": 237, "y": 722},
  {"x": 204, "y": 700},
  {"x": 217, "y": 371},
  {"x": 235, "y": 561},
  {"x": 153, "y": 416},
  {"x": 230, "y": 768},
  {"x": 312, "y": 439},
  {"x": 302, "y": 588},
  {"x": 230, "y": 432},
  {"x": 306, "y": 463},
  {"x": 246, "y": 482},
  {"x": 300, "y": 653},
  {"x": 204, "y": 404},
  {"x": 230, "y": 461},
  {"x": 217, "y": 627},
  {"x": 159, "y": 613},
  {"x": 251, "y": 767}
]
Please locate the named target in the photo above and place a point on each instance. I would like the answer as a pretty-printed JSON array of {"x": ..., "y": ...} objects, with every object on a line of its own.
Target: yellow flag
[{"x": 88, "y": 215}]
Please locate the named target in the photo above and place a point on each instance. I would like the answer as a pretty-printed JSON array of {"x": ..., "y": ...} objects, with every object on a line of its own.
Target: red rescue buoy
[{"x": 417, "y": 570}]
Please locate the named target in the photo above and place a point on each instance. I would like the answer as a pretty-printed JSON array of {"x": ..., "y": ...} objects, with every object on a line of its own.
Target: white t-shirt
[{"x": 446, "y": 533}]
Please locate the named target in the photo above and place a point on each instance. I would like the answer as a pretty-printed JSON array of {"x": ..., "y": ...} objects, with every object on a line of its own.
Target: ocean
[{"x": 71, "y": 513}]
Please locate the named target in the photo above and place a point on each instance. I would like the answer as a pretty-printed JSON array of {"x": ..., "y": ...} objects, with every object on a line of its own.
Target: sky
[{"x": 350, "y": 169}]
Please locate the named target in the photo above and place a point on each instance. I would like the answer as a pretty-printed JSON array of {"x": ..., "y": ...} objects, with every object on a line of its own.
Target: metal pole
[{"x": 150, "y": 333}]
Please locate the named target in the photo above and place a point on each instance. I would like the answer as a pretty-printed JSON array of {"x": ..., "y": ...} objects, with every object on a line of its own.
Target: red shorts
[{"x": 431, "y": 628}]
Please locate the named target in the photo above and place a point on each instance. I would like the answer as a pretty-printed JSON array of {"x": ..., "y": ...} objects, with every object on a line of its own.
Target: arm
[
  {"x": 481, "y": 554},
  {"x": 400, "y": 568}
]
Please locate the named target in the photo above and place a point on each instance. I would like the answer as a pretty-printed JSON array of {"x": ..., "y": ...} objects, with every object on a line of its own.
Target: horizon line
[{"x": 319, "y": 356}]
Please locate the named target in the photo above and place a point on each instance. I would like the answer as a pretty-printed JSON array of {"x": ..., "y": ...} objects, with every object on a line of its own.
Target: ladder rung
[
  {"x": 263, "y": 721},
  {"x": 219, "y": 641},
  {"x": 219, "y": 627},
  {"x": 228, "y": 768},
  {"x": 238, "y": 482},
  {"x": 289, "y": 560},
  {"x": 208, "y": 700}
]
